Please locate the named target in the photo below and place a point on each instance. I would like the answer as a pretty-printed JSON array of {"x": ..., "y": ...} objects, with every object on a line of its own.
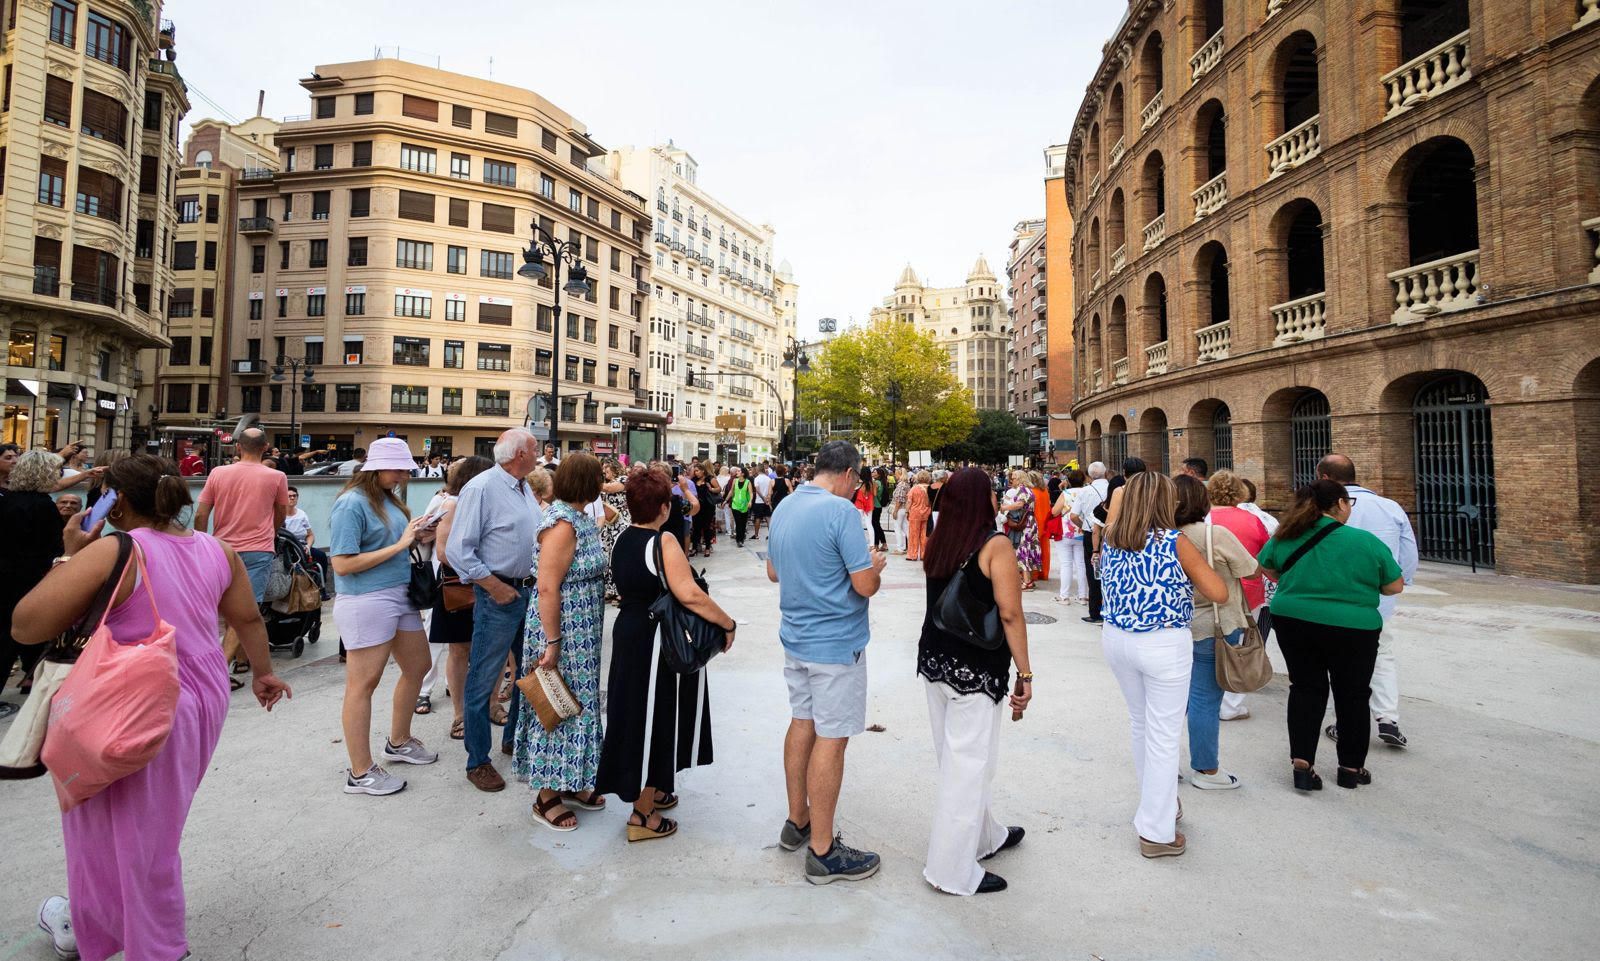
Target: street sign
[
  {"x": 616, "y": 423},
  {"x": 305, "y": 441},
  {"x": 540, "y": 433},
  {"x": 427, "y": 443},
  {"x": 730, "y": 422}
]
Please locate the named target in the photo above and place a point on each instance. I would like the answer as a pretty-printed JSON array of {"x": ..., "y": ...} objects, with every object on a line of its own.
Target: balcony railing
[
  {"x": 698, "y": 351},
  {"x": 1302, "y": 319},
  {"x": 1094, "y": 280},
  {"x": 700, "y": 320},
  {"x": 1039, "y": 350},
  {"x": 1213, "y": 342},
  {"x": 1155, "y": 232},
  {"x": 740, "y": 363},
  {"x": 1593, "y": 226},
  {"x": 253, "y": 366},
  {"x": 1118, "y": 151},
  {"x": 1591, "y": 13},
  {"x": 1428, "y": 76},
  {"x": 1038, "y": 281},
  {"x": 741, "y": 392},
  {"x": 91, "y": 294},
  {"x": 1094, "y": 185},
  {"x": 47, "y": 281},
  {"x": 1155, "y": 359},
  {"x": 252, "y": 174},
  {"x": 1152, "y": 111},
  {"x": 1211, "y": 196},
  {"x": 1449, "y": 283},
  {"x": 1038, "y": 326},
  {"x": 642, "y": 286},
  {"x": 1119, "y": 372},
  {"x": 1119, "y": 259},
  {"x": 1039, "y": 375},
  {"x": 1301, "y": 143},
  {"x": 1099, "y": 378},
  {"x": 255, "y": 225},
  {"x": 743, "y": 335},
  {"x": 1040, "y": 396},
  {"x": 1209, "y": 56}
]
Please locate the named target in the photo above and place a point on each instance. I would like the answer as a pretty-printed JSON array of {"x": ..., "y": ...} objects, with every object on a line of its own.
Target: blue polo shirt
[{"x": 816, "y": 544}]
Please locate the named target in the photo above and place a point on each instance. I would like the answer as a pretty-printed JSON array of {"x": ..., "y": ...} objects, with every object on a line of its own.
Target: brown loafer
[
  {"x": 1155, "y": 849},
  {"x": 485, "y": 778}
]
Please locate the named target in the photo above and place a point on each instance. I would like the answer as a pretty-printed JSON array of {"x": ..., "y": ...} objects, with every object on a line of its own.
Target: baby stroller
[{"x": 292, "y": 608}]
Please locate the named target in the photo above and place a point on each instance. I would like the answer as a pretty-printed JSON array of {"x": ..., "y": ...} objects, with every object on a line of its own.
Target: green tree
[
  {"x": 850, "y": 377},
  {"x": 997, "y": 435}
]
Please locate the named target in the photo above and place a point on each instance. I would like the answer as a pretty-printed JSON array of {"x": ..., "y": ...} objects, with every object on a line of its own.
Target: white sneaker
[
  {"x": 1220, "y": 781},
  {"x": 56, "y": 920},
  {"x": 1239, "y": 715}
]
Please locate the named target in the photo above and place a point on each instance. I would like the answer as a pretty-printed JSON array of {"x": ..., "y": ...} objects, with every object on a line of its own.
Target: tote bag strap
[
  {"x": 143, "y": 580},
  {"x": 1216, "y": 612}
]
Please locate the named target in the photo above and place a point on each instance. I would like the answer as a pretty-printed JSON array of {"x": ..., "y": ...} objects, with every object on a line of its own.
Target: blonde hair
[
  {"x": 1017, "y": 472},
  {"x": 1226, "y": 490},
  {"x": 924, "y": 477},
  {"x": 36, "y": 470},
  {"x": 1149, "y": 500},
  {"x": 541, "y": 483},
  {"x": 366, "y": 481},
  {"x": 1035, "y": 479}
]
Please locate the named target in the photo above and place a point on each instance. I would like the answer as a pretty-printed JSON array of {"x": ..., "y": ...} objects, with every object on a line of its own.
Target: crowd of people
[{"x": 527, "y": 548}]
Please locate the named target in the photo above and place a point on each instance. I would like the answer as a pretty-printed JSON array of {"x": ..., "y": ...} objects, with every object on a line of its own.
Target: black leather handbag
[
  {"x": 962, "y": 614},
  {"x": 423, "y": 590},
  {"x": 688, "y": 641}
]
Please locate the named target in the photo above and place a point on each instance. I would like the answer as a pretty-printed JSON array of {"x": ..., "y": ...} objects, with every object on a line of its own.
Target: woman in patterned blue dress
[
  {"x": 1150, "y": 574},
  {"x": 563, "y": 631}
]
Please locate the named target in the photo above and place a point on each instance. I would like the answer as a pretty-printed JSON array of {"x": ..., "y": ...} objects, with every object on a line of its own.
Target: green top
[
  {"x": 742, "y": 494},
  {"x": 1336, "y": 582}
]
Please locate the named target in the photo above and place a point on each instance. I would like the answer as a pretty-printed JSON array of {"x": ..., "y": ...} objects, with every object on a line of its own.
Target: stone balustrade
[
  {"x": 1213, "y": 342},
  {"x": 1593, "y": 226},
  {"x": 1274, "y": 7},
  {"x": 1427, "y": 76},
  {"x": 1094, "y": 280},
  {"x": 1211, "y": 196},
  {"x": 1099, "y": 378},
  {"x": 1094, "y": 185},
  {"x": 1155, "y": 232},
  {"x": 1119, "y": 372},
  {"x": 1152, "y": 111},
  {"x": 1118, "y": 151},
  {"x": 1208, "y": 56},
  {"x": 1038, "y": 350},
  {"x": 1155, "y": 358},
  {"x": 1449, "y": 283},
  {"x": 1591, "y": 13},
  {"x": 1301, "y": 143},
  {"x": 1303, "y": 319},
  {"x": 1119, "y": 259}
]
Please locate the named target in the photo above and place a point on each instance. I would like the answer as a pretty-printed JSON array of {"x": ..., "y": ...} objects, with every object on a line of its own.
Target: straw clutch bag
[{"x": 549, "y": 696}]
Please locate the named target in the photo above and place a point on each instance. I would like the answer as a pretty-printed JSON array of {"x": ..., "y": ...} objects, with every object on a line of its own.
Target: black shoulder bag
[
  {"x": 688, "y": 641},
  {"x": 961, "y": 613},
  {"x": 1311, "y": 542},
  {"x": 422, "y": 591}
]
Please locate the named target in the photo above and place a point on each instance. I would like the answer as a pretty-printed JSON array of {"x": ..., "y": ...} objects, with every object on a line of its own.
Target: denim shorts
[
  {"x": 832, "y": 696},
  {"x": 257, "y": 565},
  {"x": 373, "y": 618}
]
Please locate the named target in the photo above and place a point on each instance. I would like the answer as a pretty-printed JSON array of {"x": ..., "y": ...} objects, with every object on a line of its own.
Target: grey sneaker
[
  {"x": 791, "y": 837},
  {"x": 1389, "y": 733},
  {"x": 411, "y": 752},
  {"x": 376, "y": 781},
  {"x": 841, "y": 863},
  {"x": 55, "y": 919}
]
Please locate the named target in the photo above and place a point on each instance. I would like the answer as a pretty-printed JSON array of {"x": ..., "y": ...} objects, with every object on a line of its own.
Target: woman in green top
[
  {"x": 739, "y": 500},
  {"x": 1326, "y": 614}
]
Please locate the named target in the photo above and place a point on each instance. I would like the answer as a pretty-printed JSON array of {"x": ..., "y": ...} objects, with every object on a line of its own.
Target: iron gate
[
  {"x": 1222, "y": 438},
  {"x": 1163, "y": 450},
  {"x": 1455, "y": 472},
  {"x": 1310, "y": 435},
  {"x": 1116, "y": 451}
]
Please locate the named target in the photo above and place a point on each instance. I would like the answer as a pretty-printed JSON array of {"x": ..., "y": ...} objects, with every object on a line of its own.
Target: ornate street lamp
[
  {"x": 295, "y": 379},
  {"x": 795, "y": 359},
  {"x": 533, "y": 267}
]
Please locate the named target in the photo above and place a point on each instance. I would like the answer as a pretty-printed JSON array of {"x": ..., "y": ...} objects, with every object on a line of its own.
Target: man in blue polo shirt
[{"x": 825, "y": 574}]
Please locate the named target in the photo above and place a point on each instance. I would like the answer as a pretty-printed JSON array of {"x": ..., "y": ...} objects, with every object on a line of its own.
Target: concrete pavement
[{"x": 1480, "y": 841}]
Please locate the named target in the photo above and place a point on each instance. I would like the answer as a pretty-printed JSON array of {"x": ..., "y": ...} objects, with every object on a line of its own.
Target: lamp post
[
  {"x": 795, "y": 359},
  {"x": 893, "y": 397},
  {"x": 295, "y": 379},
  {"x": 533, "y": 267}
]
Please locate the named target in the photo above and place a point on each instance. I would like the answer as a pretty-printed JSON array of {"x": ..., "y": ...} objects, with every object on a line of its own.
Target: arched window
[
  {"x": 1116, "y": 231},
  {"x": 1114, "y": 132},
  {"x": 1302, "y": 312},
  {"x": 1310, "y": 435},
  {"x": 1151, "y": 81},
  {"x": 1425, "y": 24},
  {"x": 1153, "y": 324},
  {"x": 1117, "y": 340},
  {"x": 1153, "y": 200},
  {"x": 1441, "y": 196},
  {"x": 1304, "y": 243},
  {"x": 1212, "y": 300},
  {"x": 1296, "y": 85},
  {"x": 1210, "y": 159},
  {"x": 1222, "y": 438},
  {"x": 1095, "y": 263},
  {"x": 1092, "y": 152}
]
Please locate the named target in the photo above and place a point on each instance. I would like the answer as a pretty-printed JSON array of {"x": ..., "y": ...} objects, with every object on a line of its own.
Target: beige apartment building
[
  {"x": 88, "y": 160},
  {"x": 384, "y": 255},
  {"x": 714, "y": 312},
  {"x": 1027, "y": 360},
  {"x": 184, "y": 388},
  {"x": 971, "y": 322}
]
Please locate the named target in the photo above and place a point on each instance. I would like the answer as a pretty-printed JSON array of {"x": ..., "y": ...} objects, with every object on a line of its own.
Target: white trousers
[
  {"x": 1073, "y": 572},
  {"x": 438, "y": 653},
  {"x": 902, "y": 527},
  {"x": 966, "y": 745},
  {"x": 725, "y": 514},
  {"x": 1385, "y": 699},
  {"x": 1152, "y": 668}
]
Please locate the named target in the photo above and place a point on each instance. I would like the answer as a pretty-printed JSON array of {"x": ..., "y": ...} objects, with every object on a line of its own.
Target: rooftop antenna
[
  {"x": 491, "y": 68},
  {"x": 261, "y": 101}
]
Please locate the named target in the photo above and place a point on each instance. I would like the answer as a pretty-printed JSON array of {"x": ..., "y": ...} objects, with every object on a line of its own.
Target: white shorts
[
  {"x": 367, "y": 620},
  {"x": 831, "y": 696}
]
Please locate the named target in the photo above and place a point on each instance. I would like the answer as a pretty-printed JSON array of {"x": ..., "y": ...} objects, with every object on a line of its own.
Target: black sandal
[
  {"x": 1307, "y": 779},
  {"x": 666, "y": 800},
  {"x": 565, "y": 821},
  {"x": 587, "y": 801},
  {"x": 1353, "y": 779},
  {"x": 234, "y": 684},
  {"x": 424, "y": 705},
  {"x": 642, "y": 831}
]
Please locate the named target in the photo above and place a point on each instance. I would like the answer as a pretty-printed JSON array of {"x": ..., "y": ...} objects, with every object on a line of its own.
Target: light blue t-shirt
[
  {"x": 816, "y": 545},
  {"x": 357, "y": 530}
]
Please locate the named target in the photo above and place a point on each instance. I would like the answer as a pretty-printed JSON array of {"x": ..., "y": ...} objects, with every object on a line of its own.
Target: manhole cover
[{"x": 1032, "y": 618}]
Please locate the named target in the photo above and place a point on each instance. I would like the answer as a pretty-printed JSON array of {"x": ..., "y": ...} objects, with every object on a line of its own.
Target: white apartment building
[{"x": 716, "y": 311}]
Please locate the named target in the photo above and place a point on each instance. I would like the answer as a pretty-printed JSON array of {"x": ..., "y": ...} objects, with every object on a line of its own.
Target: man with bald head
[
  {"x": 1386, "y": 519},
  {"x": 493, "y": 542},
  {"x": 249, "y": 501}
]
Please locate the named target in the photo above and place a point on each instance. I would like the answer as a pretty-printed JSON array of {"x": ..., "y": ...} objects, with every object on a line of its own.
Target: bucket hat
[{"x": 389, "y": 453}]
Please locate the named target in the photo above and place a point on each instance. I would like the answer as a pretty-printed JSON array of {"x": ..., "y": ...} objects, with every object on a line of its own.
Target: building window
[
  {"x": 500, "y": 172},
  {"x": 547, "y": 187},
  {"x": 346, "y": 398},
  {"x": 450, "y": 402},
  {"x": 588, "y": 371},
  {"x": 612, "y": 374},
  {"x": 63, "y": 23},
  {"x": 58, "y": 101},
  {"x": 589, "y": 325},
  {"x": 318, "y": 256},
  {"x": 544, "y": 322},
  {"x": 495, "y": 314},
  {"x": 455, "y": 354},
  {"x": 499, "y": 123},
  {"x": 323, "y": 156},
  {"x": 283, "y": 305},
  {"x": 325, "y": 107},
  {"x": 494, "y": 357},
  {"x": 455, "y": 260},
  {"x": 183, "y": 255},
  {"x": 461, "y": 166},
  {"x": 106, "y": 41},
  {"x": 316, "y": 305},
  {"x": 419, "y": 108},
  {"x": 494, "y": 403},
  {"x": 408, "y": 305},
  {"x": 313, "y": 353},
  {"x": 258, "y": 258},
  {"x": 188, "y": 210},
  {"x": 313, "y": 398},
  {"x": 415, "y": 254},
  {"x": 547, "y": 140},
  {"x": 255, "y": 309},
  {"x": 498, "y": 218},
  {"x": 541, "y": 363},
  {"x": 455, "y": 310},
  {"x": 461, "y": 116},
  {"x": 423, "y": 160},
  {"x": 416, "y": 206},
  {"x": 355, "y": 305},
  {"x": 363, "y": 104},
  {"x": 459, "y": 211},
  {"x": 357, "y": 256},
  {"x": 52, "y": 181},
  {"x": 571, "y": 370},
  {"x": 496, "y": 264},
  {"x": 354, "y": 351},
  {"x": 411, "y": 351},
  {"x": 361, "y": 153},
  {"x": 574, "y": 201},
  {"x": 283, "y": 255},
  {"x": 569, "y": 408},
  {"x": 250, "y": 400},
  {"x": 360, "y": 202},
  {"x": 178, "y": 355}
]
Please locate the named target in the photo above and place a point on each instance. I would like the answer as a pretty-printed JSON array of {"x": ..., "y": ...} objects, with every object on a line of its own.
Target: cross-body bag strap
[
  {"x": 1314, "y": 540},
  {"x": 1216, "y": 612}
]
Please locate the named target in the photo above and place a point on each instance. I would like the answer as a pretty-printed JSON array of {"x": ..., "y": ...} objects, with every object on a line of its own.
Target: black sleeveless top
[
  {"x": 945, "y": 659},
  {"x": 637, "y": 585}
]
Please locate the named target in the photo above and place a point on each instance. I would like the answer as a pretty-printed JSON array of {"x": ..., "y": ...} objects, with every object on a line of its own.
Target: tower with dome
[{"x": 969, "y": 321}]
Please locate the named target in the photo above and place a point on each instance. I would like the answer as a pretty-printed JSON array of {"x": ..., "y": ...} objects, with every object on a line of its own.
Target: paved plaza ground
[{"x": 1480, "y": 841}]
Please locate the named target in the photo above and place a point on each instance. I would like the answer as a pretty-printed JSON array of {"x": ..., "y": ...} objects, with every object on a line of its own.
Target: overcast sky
[{"x": 869, "y": 133}]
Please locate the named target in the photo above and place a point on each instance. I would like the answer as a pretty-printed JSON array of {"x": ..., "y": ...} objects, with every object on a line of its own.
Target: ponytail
[
  {"x": 1310, "y": 503},
  {"x": 150, "y": 486},
  {"x": 172, "y": 496}
]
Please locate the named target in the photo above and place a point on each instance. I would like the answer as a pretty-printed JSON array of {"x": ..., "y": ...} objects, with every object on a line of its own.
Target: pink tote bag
[{"x": 112, "y": 714}]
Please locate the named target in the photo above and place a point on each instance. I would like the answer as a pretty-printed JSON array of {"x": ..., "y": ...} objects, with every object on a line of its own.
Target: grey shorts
[
  {"x": 367, "y": 620},
  {"x": 832, "y": 696}
]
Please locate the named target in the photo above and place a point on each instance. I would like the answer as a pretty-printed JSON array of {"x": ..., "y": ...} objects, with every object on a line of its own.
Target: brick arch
[
  {"x": 1395, "y": 393},
  {"x": 1385, "y": 162}
]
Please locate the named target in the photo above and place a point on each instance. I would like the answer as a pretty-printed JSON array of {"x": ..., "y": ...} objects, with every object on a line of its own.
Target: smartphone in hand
[{"x": 101, "y": 509}]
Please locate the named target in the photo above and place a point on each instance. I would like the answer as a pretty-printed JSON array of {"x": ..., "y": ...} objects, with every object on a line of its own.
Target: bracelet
[
  {"x": 1024, "y": 675},
  {"x": 552, "y": 642}
]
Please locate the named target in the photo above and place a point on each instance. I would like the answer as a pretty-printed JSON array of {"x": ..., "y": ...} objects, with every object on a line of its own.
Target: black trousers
[
  {"x": 878, "y": 537},
  {"x": 740, "y": 518},
  {"x": 704, "y": 526},
  {"x": 1321, "y": 656},
  {"x": 1088, "y": 570}
]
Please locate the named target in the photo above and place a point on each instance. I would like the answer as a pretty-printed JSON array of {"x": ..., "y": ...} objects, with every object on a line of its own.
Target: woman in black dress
[
  {"x": 32, "y": 527},
  {"x": 644, "y": 699},
  {"x": 704, "y": 524},
  {"x": 454, "y": 627}
]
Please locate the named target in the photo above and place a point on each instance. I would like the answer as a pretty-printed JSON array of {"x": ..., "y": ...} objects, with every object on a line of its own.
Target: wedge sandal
[{"x": 640, "y": 830}]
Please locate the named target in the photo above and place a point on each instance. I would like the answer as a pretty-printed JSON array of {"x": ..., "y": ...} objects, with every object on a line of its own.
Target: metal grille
[
  {"x": 1455, "y": 472},
  {"x": 1311, "y": 436},
  {"x": 1116, "y": 451},
  {"x": 1222, "y": 438},
  {"x": 1163, "y": 451}
]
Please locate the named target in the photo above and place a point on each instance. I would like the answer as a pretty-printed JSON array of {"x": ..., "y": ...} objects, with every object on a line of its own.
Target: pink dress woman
[{"x": 124, "y": 876}]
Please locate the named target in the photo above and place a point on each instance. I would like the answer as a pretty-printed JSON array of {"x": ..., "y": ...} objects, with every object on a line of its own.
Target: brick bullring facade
[{"x": 1367, "y": 226}]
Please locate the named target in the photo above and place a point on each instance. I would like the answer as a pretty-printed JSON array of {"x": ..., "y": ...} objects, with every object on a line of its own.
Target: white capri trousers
[
  {"x": 966, "y": 745},
  {"x": 1152, "y": 668}
]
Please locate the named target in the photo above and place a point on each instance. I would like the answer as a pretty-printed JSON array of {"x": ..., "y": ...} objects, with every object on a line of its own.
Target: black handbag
[
  {"x": 688, "y": 641},
  {"x": 423, "y": 590},
  {"x": 962, "y": 614}
]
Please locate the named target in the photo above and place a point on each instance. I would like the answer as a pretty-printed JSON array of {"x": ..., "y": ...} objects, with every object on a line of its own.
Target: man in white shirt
[
  {"x": 551, "y": 459},
  {"x": 761, "y": 507},
  {"x": 1093, "y": 495},
  {"x": 1388, "y": 521}
]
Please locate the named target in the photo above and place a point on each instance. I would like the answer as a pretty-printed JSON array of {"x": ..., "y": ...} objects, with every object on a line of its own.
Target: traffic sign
[{"x": 616, "y": 423}]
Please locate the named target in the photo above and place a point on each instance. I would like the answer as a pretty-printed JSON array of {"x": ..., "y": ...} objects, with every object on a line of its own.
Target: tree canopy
[
  {"x": 996, "y": 436},
  {"x": 851, "y": 374}
]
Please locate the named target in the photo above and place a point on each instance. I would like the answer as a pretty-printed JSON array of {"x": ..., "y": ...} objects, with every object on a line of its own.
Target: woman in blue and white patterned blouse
[{"x": 1149, "y": 574}]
